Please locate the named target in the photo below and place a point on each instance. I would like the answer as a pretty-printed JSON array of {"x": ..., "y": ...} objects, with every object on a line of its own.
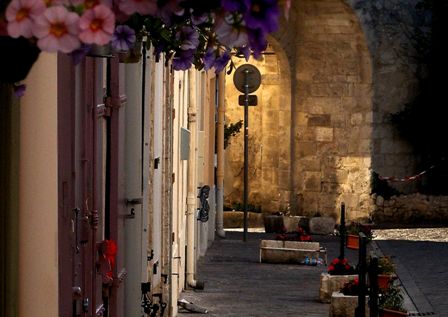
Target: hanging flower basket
[
  {"x": 17, "y": 56},
  {"x": 352, "y": 242}
]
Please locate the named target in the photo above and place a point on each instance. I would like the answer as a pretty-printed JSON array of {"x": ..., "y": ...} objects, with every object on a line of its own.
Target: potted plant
[
  {"x": 339, "y": 272},
  {"x": 353, "y": 229},
  {"x": 344, "y": 302},
  {"x": 391, "y": 303},
  {"x": 300, "y": 234},
  {"x": 351, "y": 288},
  {"x": 386, "y": 272},
  {"x": 341, "y": 267}
]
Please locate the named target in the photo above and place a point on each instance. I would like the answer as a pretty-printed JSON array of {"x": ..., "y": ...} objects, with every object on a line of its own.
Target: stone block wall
[
  {"x": 332, "y": 110},
  {"x": 410, "y": 209},
  {"x": 350, "y": 66},
  {"x": 269, "y": 139}
]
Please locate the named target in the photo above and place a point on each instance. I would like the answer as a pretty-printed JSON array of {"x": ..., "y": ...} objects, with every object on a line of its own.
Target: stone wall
[
  {"x": 389, "y": 27},
  {"x": 351, "y": 66},
  {"x": 410, "y": 209},
  {"x": 269, "y": 139}
]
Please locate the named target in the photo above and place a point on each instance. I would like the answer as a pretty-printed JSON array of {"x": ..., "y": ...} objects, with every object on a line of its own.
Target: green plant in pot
[
  {"x": 353, "y": 229},
  {"x": 386, "y": 272},
  {"x": 391, "y": 302}
]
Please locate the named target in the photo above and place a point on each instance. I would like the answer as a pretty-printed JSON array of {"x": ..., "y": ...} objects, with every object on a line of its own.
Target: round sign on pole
[{"x": 253, "y": 78}]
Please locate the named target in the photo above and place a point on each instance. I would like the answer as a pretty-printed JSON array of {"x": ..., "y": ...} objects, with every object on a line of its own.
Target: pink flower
[
  {"x": 143, "y": 7},
  {"x": 57, "y": 30},
  {"x": 97, "y": 25},
  {"x": 50, "y": 3},
  {"x": 21, "y": 15},
  {"x": 89, "y": 4}
]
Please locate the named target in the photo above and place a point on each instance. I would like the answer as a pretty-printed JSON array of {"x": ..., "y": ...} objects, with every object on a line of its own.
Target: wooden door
[{"x": 89, "y": 143}]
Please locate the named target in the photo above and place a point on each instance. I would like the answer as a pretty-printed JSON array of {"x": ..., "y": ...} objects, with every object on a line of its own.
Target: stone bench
[{"x": 277, "y": 251}]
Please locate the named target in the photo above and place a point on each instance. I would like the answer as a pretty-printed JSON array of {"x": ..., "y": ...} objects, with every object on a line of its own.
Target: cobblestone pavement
[{"x": 421, "y": 257}]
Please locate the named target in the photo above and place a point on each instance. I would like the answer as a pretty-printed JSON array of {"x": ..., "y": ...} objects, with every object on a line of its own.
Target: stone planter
[
  {"x": 277, "y": 251},
  {"x": 235, "y": 219},
  {"x": 278, "y": 223},
  {"x": 345, "y": 305},
  {"x": 322, "y": 225},
  {"x": 332, "y": 283}
]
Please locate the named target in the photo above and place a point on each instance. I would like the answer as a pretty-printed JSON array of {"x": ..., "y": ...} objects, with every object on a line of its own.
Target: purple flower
[
  {"x": 19, "y": 90},
  {"x": 221, "y": 62},
  {"x": 262, "y": 14},
  {"x": 189, "y": 38},
  {"x": 245, "y": 51},
  {"x": 209, "y": 58},
  {"x": 257, "y": 41},
  {"x": 170, "y": 10},
  {"x": 197, "y": 20},
  {"x": 123, "y": 38},
  {"x": 183, "y": 59},
  {"x": 235, "y": 5},
  {"x": 230, "y": 35}
]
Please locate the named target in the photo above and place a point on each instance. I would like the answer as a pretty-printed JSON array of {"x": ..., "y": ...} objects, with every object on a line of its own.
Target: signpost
[{"x": 247, "y": 79}]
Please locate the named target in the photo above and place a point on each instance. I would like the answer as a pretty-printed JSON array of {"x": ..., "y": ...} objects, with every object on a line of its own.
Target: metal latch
[{"x": 132, "y": 202}]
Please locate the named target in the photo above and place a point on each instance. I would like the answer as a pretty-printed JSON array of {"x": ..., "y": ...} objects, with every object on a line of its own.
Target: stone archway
[{"x": 327, "y": 140}]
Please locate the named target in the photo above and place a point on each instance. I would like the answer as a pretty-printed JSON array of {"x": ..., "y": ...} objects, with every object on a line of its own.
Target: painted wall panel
[{"x": 38, "y": 255}]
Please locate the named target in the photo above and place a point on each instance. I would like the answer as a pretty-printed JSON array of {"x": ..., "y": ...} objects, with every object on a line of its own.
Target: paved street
[
  {"x": 421, "y": 265},
  {"x": 236, "y": 284}
]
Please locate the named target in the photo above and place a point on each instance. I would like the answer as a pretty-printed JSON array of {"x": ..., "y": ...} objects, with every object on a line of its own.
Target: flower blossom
[
  {"x": 143, "y": 7},
  {"x": 262, "y": 14},
  {"x": 21, "y": 15},
  {"x": 89, "y": 4},
  {"x": 234, "y": 5},
  {"x": 57, "y": 30},
  {"x": 123, "y": 38},
  {"x": 170, "y": 11},
  {"x": 50, "y": 3},
  {"x": 221, "y": 62},
  {"x": 97, "y": 25},
  {"x": 183, "y": 59},
  {"x": 19, "y": 90},
  {"x": 228, "y": 34},
  {"x": 188, "y": 37}
]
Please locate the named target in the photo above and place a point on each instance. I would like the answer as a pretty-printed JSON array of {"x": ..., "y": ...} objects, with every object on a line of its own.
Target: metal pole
[
  {"x": 373, "y": 281},
  {"x": 342, "y": 233},
  {"x": 360, "y": 311},
  {"x": 246, "y": 149}
]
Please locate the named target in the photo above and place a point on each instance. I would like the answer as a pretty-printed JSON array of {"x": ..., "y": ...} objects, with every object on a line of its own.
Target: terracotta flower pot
[
  {"x": 352, "y": 242},
  {"x": 392, "y": 313},
  {"x": 384, "y": 281},
  {"x": 17, "y": 56}
]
